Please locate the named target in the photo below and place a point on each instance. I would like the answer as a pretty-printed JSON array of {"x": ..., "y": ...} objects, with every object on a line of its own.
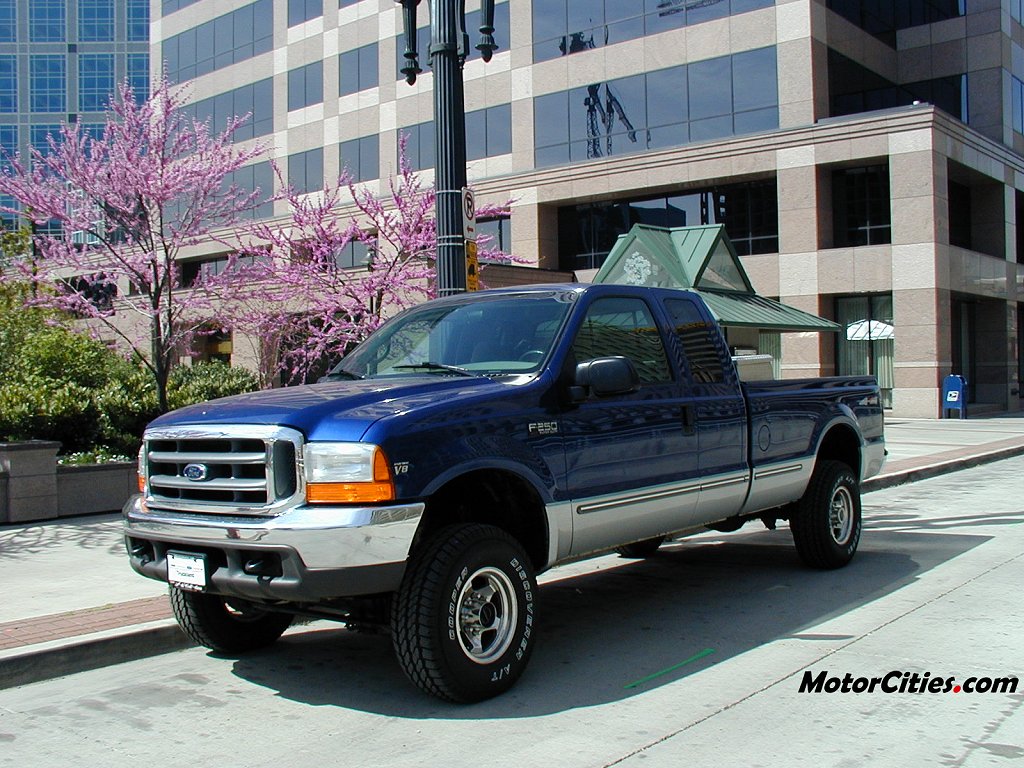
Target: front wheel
[
  {"x": 463, "y": 619},
  {"x": 826, "y": 522},
  {"x": 226, "y": 625}
]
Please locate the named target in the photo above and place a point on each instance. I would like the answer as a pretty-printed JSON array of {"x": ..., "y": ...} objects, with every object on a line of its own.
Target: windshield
[{"x": 503, "y": 334}]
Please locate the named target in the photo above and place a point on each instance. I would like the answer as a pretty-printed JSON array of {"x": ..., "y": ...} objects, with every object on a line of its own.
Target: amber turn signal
[{"x": 380, "y": 489}]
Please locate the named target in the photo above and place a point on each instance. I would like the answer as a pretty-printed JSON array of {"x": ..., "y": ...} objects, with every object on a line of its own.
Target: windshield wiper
[
  {"x": 340, "y": 374},
  {"x": 427, "y": 365}
]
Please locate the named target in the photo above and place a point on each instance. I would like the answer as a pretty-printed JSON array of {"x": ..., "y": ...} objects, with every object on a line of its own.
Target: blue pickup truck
[{"x": 471, "y": 443}]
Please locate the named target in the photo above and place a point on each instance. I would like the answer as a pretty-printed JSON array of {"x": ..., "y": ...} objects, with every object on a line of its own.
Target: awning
[
  {"x": 704, "y": 260},
  {"x": 752, "y": 311}
]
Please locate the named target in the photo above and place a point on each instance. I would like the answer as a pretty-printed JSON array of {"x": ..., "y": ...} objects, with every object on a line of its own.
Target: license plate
[{"x": 186, "y": 570}]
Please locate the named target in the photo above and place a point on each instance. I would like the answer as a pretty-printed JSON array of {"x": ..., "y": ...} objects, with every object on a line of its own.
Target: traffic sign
[
  {"x": 472, "y": 267},
  {"x": 469, "y": 214}
]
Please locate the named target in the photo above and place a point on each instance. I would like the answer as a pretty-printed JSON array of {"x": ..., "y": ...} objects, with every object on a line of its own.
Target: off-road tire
[
  {"x": 225, "y": 625},
  {"x": 826, "y": 522},
  {"x": 463, "y": 620},
  {"x": 641, "y": 549}
]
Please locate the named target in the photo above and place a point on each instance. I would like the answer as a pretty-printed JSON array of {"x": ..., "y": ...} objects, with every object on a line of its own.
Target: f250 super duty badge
[{"x": 544, "y": 428}]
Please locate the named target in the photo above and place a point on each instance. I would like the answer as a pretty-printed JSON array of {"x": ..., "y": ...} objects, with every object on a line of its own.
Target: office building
[
  {"x": 865, "y": 157},
  {"x": 60, "y": 61}
]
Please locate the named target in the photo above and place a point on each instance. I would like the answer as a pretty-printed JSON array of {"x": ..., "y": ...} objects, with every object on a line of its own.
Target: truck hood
[{"x": 337, "y": 410}]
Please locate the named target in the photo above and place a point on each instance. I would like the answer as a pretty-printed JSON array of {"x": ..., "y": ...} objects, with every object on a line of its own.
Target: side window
[
  {"x": 697, "y": 338},
  {"x": 621, "y": 326}
]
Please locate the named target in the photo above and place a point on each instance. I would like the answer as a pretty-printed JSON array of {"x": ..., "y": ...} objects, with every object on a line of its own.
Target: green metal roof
[
  {"x": 701, "y": 259},
  {"x": 752, "y": 311}
]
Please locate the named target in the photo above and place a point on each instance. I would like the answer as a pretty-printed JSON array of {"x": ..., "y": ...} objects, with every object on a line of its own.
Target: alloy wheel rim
[
  {"x": 487, "y": 613},
  {"x": 840, "y": 516}
]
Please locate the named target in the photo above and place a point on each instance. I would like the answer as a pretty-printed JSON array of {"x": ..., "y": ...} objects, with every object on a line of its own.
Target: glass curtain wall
[{"x": 866, "y": 341}]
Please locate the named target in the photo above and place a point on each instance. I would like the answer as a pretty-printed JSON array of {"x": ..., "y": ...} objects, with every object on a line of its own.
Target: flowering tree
[
  {"x": 306, "y": 298},
  {"x": 127, "y": 203}
]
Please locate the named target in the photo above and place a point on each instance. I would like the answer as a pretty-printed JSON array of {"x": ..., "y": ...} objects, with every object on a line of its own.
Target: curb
[
  {"x": 940, "y": 468},
  {"x": 58, "y": 658}
]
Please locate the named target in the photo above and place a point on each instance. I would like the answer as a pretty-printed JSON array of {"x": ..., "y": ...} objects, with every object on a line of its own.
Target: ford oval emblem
[{"x": 195, "y": 472}]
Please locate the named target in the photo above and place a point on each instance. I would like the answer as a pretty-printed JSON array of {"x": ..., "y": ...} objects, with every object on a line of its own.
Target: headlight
[{"x": 347, "y": 473}]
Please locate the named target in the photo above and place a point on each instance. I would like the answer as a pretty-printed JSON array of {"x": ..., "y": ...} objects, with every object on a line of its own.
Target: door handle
[{"x": 689, "y": 419}]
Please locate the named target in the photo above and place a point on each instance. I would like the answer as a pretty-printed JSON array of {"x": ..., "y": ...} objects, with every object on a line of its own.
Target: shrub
[
  {"x": 206, "y": 381},
  {"x": 59, "y": 384},
  {"x": 45, "y": 409}
]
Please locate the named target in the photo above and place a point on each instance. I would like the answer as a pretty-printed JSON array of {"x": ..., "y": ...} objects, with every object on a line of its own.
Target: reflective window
[
  {"x": 8, "y": 143},
  {"x": 749, "y": 211},
  {"x": 489, "y": 132},
  {"x": 355, "y": 253},
  {"x": 46, "y": 21},
  {"x": 138, "y": 21},
  {"x": 8, "y": 149},
  {"x": 865, "y": 345},
  {"x": 344, "y": 3},
  {"x": 429, "y": 337},
  {"x": 626, "y": 327},
  {"x": 8, "y": 83},
  {"x": 304, "y": 10},
  {"x": 168, "y": 7},
  {"x": 39, "y": 136},
  {"x": 419, "y": 148},
  {"x": 360, "y": 157},
  {"x": 1017, "y": 91},
  {"x": 228, "y": 39},
  {"x": 959, "y": 204},
  {"x": 306, "y": 86},
  {"x": 698, "y": 339},
  {"x": 48, "y": 83},
  {"x": 257, "y": 177},
  {"x": 95, "y": 81},
  {"x": 565, "y": 27},
  {"x": 137, "y": 66},
  {"x": 494, "y": 234},
  {"x": 357, "y": 70},
  {"x": 501, "y": 36},
  {"x": 93, "y": 130},
  {"x": 8, "y": 21},
  {"x": 256, "y": 100},
  {"x": 854, "y": 89},
  {"x": 883, "y": 18},
  {"x": 306, "y": 171},
  {"x": 860, "y": 205},
  {"x": 665, "y": 108},
  {"x": 95, "y": 20}
]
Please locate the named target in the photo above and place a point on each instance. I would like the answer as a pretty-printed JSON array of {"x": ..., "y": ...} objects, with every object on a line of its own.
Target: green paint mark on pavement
[{"x": 696, "y": 657}]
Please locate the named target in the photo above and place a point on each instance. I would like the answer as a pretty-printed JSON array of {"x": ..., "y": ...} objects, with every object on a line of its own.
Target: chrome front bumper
[{"x": 315, "y": 552}]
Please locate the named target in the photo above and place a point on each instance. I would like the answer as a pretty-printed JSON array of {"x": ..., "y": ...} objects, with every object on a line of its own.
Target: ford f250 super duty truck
[{"x": 471, "y": 443}]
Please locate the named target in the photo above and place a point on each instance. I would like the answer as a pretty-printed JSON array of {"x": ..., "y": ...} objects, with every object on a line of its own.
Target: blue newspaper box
[{"x": 954, "y": 395}]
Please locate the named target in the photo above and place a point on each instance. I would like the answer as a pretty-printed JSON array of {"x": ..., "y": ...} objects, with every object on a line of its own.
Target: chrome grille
[{"x": 222, "y": 469}]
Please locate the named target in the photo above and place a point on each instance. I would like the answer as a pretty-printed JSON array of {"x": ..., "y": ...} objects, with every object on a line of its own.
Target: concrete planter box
[
  {"x": 85, "y": 489},
  {"x": 34, "y": 487},
  {"x": 31, "y": 481}
]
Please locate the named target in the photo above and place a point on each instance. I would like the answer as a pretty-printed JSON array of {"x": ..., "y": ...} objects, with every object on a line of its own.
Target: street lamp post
[{"x": 448, "y": 50}]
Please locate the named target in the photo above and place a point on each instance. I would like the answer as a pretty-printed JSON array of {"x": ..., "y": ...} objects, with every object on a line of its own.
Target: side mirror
[{"x": 604, "y": 376}]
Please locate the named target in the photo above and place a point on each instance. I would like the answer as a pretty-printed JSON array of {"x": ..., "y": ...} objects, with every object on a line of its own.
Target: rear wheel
[
  {"x": 641, "y": 549},
  {"x": 826, "y": 522},
  {"x": 226, "y": 624},
  {"x": 462, "y": 623}
]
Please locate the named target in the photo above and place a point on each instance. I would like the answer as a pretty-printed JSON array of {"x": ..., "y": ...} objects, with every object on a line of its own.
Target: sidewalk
[{"x": 71, "y": 602}]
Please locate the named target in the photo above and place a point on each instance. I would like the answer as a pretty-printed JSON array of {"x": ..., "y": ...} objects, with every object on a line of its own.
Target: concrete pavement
[{"x": 70, "y": 601}]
